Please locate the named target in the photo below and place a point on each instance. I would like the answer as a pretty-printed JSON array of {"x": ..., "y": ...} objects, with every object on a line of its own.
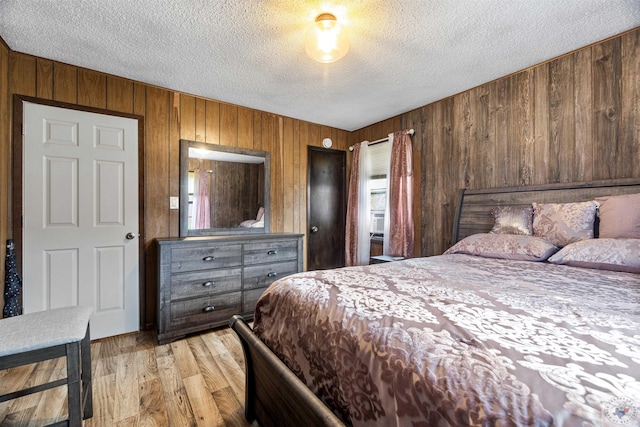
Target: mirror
[{"x": 223, "y": 190}]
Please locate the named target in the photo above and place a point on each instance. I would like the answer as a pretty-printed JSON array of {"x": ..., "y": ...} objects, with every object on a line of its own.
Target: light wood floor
[{"x": 197, "y": 381}]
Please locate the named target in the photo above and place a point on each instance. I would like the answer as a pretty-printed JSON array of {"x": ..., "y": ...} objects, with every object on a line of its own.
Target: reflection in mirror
[{"x": 223, "y": 190}]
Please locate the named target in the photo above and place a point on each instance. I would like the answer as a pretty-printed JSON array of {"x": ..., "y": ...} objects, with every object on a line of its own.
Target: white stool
[{"x": 50, "y": 334}]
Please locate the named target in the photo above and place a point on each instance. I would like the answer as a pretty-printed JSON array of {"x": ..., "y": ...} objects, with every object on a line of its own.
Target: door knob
[
  {"x": 314, "y": 229},
  {"x": 130, "y": 236}
]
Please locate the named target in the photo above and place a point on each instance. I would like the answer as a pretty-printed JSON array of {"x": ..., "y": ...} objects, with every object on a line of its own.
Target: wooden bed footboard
[{"x": 274, "y": 395}]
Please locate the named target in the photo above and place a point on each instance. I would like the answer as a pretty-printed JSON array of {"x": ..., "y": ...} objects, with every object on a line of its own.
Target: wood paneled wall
[
  {"x": 575, "y": 118},
  {"x": 234, "y": 192},
  {"x": 168, "y": 117}
]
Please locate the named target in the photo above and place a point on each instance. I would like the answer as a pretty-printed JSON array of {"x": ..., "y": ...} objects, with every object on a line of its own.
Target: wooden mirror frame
[{"x": 185, "y": 145}]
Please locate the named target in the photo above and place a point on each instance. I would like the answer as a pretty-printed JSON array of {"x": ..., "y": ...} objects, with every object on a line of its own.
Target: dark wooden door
[{"x": 327, "y": 206}]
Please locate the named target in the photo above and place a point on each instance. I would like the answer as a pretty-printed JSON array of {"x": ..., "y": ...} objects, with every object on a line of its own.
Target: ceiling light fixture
[{"x": 326, "y": 39}]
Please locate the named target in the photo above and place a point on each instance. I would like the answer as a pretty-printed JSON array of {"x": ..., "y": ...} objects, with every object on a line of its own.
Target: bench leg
[
  {"x": 87, "y": 391},
  {"x": 74, "y": 385}
]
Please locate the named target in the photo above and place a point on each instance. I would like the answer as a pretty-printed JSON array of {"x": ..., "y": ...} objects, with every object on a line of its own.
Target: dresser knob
[
  {"x": 274, "y": 252},
  {"x": 272, "y": 274},
  {"x": 208, "y": 309},
  {"x": 209, "y": 258},
  {"x": 209, "y": 283}
]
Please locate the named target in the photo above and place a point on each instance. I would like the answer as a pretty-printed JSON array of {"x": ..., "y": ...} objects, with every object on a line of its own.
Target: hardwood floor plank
[
  {"x": 233, "y": 373},
  {"x": 232, "y": 344},
  {"x": 95, "y": 355},
  {"x": 205, "y": 410},
  {"x": 22, "y": 418},
  {"x": 127, "y": 398},
  {"x": 211, "y": 372},
  {"x": 126, "y": 343},
  {"x": 213, "y": 343},
  {"x": 133, "y": 421},
  {"x": 147, "y": 365},
  {"x": 231, "y": 409},
  {"x": 184, "y": 358},
  {"x": 179, "y": 411},
  {"x": 104, "y": 391},
  {"x": 18, "y": 379},
  {"x": 152, "y": 406},
  {"x": 145, "y": 340},
  {"x": 106, "y": 366}
]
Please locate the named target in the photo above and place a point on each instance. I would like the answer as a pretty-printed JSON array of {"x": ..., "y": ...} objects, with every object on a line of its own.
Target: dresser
[{"x": 203, "y": 281}]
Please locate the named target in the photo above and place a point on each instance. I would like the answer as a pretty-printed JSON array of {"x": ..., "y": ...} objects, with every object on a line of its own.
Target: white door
[{"x": 80, "y": 201}]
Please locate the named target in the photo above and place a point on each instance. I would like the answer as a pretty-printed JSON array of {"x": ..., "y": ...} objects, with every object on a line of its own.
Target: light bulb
[{"x": 326, "y": 39}]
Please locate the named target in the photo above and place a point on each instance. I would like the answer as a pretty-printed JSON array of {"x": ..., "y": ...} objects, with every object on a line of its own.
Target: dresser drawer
[
  {"x": 261, "y": 276},
  {"x": 195, "y": 258},
  {"x": 250, "y": 299},
  {"x": 207, "y": 309},
  {"x": 269, "y": 252},
  {"x": 193, "y": 284}
]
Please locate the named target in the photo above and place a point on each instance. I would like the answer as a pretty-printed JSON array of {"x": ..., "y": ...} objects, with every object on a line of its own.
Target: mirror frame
[{"x": 185, "y": 144}]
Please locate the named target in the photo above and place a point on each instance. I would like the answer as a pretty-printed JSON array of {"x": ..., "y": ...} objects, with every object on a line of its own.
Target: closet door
[{"x": 327, "y": 206}]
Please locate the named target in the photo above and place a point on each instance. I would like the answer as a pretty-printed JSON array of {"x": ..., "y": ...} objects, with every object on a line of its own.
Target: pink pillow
[
  {"x": 603, "y": 254},
  {"x": 504, "y": 246},
  {"x": 564, "y": 223},
  {"x": 620, "y": 216}
]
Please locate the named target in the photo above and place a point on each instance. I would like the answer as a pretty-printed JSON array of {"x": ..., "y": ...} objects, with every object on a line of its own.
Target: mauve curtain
[
  {"x": 203, "y": 211},
  {"x": 400, "y": 199},
  {"x": 357, "y": 243}
]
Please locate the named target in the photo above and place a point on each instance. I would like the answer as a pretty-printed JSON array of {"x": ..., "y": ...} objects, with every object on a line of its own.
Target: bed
[
  {"x": 483, "y": 335},
  {"x": 254, "y": 223}
]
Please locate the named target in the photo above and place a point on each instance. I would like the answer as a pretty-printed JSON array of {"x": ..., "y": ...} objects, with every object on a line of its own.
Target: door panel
[
  {"x": 80, "y": 199},
  {"x": 327, "y": 208},
  {"x": 61, "y": 278},
  {"x": 110, "y": 191},
  {"x": 110, "y": 278},
  {"x": 61, "y": 185}
]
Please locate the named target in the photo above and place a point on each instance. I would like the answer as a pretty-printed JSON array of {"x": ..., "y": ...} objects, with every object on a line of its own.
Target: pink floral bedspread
[{"x": 462, "y": 340}]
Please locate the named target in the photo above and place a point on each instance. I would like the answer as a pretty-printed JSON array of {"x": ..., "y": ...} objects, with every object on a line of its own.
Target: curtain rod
[{"x": 378, "y": 141}]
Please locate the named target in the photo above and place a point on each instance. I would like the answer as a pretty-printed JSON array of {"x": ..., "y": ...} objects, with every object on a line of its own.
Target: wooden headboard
[{"x": 473, "y": 212}]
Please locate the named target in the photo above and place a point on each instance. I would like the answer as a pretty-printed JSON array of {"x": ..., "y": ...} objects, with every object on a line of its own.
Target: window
[{"x": 379, "y": 156}]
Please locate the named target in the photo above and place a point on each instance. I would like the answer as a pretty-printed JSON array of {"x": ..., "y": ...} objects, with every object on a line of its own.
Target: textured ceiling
[{"x": 403, "y": 54}]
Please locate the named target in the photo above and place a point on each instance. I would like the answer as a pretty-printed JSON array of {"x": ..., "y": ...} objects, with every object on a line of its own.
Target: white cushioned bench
[{"x": 50, "y": 334}]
